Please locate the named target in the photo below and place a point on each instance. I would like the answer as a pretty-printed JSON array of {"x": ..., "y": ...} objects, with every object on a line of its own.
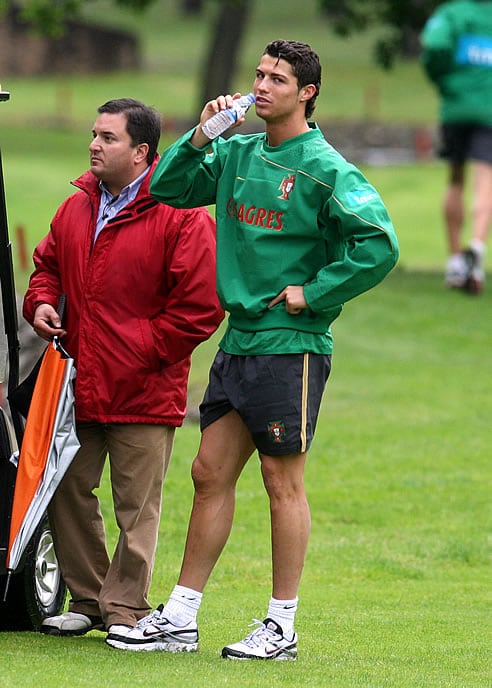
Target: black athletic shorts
[
  {"x": 461, "y": 142},
  {"x": 278, "y": 397}
]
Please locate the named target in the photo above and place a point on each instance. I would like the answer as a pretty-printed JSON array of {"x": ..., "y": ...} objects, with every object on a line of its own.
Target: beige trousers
[{"x": 116, "y": 587}]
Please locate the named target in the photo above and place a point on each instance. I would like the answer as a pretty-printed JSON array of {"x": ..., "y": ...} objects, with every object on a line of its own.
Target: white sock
[
  {"x": 456, "y": 257},
  {"x": 478, "y": 246},
  {"x": 182, "y": 606},
  {"x": 283, "y": 612}
]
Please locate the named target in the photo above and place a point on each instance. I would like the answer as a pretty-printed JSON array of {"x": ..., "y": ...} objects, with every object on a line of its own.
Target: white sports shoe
[
  {"x": 465, "y": 271},
  {"x": 476, "y": 273},
  {"x": 120, "y": 629},
  {"x": 266, "y": 642},
  {"x": 456, "y": 271},
  {"x": 71, "y": 623},
  {"x": 155, "y": 632}
]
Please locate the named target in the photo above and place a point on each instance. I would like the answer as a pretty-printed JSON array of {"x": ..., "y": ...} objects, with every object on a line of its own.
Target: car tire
[{"x": 38, "y": 589}]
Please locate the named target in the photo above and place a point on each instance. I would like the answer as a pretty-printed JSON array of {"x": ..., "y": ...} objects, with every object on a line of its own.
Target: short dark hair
[
  {"x": 304, "y": 62},
  {"x": 143, "y": 123}
]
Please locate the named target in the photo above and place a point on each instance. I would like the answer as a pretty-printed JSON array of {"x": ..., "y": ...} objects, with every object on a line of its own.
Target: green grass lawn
[{"x": 395, "y": 588}]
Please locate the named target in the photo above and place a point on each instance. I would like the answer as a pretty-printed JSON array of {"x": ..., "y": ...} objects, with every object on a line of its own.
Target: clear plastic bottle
[{"x": 221, "y": 121}]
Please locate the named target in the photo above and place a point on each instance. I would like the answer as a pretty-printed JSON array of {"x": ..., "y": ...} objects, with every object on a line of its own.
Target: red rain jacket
[{"x": 139, "y": 300}]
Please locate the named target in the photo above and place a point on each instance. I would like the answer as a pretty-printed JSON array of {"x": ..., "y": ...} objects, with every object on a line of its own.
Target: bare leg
[
  {"x": 283, "y": 477},
  {"x": 225, "y": 447},
  {"x": 482, "y": 200},
  {"x": 454, "y": 211}
]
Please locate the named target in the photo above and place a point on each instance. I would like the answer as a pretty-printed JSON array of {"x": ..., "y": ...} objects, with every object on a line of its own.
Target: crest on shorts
[
  {"x": 287, "y": 186},
  {"x": 276, "y": 430}
]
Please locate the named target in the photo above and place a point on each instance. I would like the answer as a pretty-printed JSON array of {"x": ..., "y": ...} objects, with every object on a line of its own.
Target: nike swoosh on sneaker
[{"x": 148, "y": 633}]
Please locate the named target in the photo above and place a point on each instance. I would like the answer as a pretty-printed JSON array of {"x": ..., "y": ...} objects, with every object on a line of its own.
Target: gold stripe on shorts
[{"x": 304, "y": 402}]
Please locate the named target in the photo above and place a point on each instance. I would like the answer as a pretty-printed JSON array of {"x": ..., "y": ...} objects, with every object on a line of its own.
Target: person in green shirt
[
  {"x": 299, "y": 232},
  {"x": 457, "y": 58}
]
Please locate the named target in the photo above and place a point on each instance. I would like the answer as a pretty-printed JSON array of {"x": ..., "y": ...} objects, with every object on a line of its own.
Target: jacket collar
[{"x": 89, "y": 183}]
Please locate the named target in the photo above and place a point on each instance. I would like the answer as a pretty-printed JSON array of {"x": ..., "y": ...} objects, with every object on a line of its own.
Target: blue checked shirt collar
[{"x": 110, "y": 206}]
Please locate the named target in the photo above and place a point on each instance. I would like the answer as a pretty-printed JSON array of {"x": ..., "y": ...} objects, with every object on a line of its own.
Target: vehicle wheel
[{"x": 38, "y": 590}]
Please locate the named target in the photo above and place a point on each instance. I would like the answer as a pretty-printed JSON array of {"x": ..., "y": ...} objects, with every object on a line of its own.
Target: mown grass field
[{"x": 396, "y": 586}]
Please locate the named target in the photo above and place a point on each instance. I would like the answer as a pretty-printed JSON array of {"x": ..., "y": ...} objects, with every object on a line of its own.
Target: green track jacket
[
  {"x": 293, "y": 214},
  {"x": 457, "y": 56}
]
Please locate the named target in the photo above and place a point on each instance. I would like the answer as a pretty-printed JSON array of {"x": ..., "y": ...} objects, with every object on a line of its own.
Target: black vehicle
[{"x": 35, "y": 590}]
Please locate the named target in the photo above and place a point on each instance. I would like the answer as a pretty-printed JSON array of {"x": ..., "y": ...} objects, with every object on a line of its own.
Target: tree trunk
[
  {"x": 189, "y": 7},
  {"x": 224, "y": 49}
]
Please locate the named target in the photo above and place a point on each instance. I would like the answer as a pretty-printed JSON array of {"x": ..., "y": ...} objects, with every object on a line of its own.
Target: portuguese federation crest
[
  {"x": 276, "y": 430},
  {"x": 287, "y": 186}
]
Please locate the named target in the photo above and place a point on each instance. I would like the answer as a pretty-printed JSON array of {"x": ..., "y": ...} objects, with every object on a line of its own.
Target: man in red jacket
[{"x": 139, "y": 280}]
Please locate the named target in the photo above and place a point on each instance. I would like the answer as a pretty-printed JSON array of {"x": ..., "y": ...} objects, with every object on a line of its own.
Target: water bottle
[{"x": 222, "y": 120}]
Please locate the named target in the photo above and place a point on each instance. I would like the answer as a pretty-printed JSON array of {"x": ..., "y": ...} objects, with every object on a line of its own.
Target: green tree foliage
[
  {"x": 399, "y": 23},
  {"x": 402, "y": 20},
  {"x": 48, "y": 16},
  {"x": 227, "y": 29}
]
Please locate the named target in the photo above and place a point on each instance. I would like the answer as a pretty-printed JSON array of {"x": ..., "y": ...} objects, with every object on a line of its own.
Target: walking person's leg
[
  {"x": 481, "y": 219},
  {"x": 454, "y": 207},
  {"x": 467, "y": 145},
  {"x": 454, "y": 220},
  {"x": 482, "y": 200}
]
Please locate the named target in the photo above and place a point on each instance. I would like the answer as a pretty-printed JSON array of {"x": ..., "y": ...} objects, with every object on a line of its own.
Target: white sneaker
[
  {"x": 71, "y": 623},
  {"x": 456, "y": 271},
  {"x": 119, "y": 629},
  {"x": 266, "y": 642},
  {"x": 154, "y": 632},
  {"x": 475, "y": 277},
  {"x": 465, "y": 271}
]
